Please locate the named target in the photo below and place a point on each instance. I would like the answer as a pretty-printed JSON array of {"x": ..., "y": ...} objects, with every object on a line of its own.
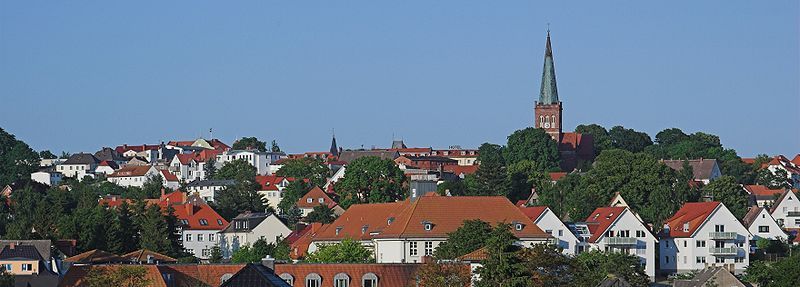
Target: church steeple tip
[{"x": 549, "y": 91}]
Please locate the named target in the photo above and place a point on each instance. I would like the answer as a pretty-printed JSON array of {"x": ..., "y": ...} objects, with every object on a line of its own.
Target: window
[
  {"x": 412, "y": 248},
  {"x": 288, "y": 278},
  {"x": 205, "y": 252},
  {"x": 369, "y": 280},
  {"x": 428, "y": 248},
  {"x": 211, "y": 237},
  {"x": 428, "y": 226},
  {"x": 548, "y": 232},
  {"x": 738, "y": 260},
  {"x": 640, "y": 233},
  {"x": 797, "y": 222},
  {"x": 199, "y": 238},
  {"x": 219, "y": 221},
  {"x": 700, "y": 243},
  {"x": 27, "y": 267},
  {"x": 560, "y": 232},
  {"x": 719, "y": 259},
  {"x": 341, "y": 280},
  {"x": 7, "y": 267},
  {"x": 321, "y": 200},
  {"x": 666, "y": 258},
  {"x": 719, "y": 228},
  {"x": 313, "y": 280},
  {"x": 188, "y": 237},
  {"x": 700, "y": 259},
  {"x": 763, "y": 229},
  {"x": 309, "y": 200},
  {"x": 203, "y": 222}
]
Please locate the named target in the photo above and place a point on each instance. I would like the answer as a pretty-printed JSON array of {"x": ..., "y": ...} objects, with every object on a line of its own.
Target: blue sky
[{"x": 79, "y": 75}]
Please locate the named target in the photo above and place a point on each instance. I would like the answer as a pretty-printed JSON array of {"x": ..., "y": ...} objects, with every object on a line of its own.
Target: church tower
[{"x": 548, "y": 109}]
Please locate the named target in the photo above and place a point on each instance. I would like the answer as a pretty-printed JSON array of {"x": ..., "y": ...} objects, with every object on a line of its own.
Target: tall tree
[
  {"x": 548, "y": 266},
  {"x": 671, "y": 136},
  {"x": 312, "y": 169},
  {"x": 129, "y": 231},
  {"x": 443, "y": 274},
  {"x": 602, "y": 141},
  {"x": 238, "y": 169},
  {"x": 46, "y": 154},
  {"x": 726, "y": 190},
  {"x": 629, "y": 139},
  {"x": 534, "y": 145},
  {"x": 210, "y": 168},
  {"x": 292, "y": 193},
  {"x": 123, "y": 276},
  {"x": 347, "y": 251},
  {"x": 17, "y": 159},
  {"x": 773, "y": 180},
  {"x": 502, "y": 266},
  {"x": 594, "y": 266},
  {"x": 522, "y": 176},
  {"x": 371, "y": 179},
  {"x": 152, "y": 187},
  {"x": 249, "y": 143},
  {"x": 274, "y": 147},
  {"x": 322, "y": 214},
  {"x": 491, "y": 177},
  {"x": 239, "y": 198},
  {"x": 469, "y": 237},
  {"x": 155, "y": 231}
]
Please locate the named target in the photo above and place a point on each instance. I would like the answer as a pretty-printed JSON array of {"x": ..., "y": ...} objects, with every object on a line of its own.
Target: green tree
[
  {"x": 469, "y": 237},
  {"x": 443, "y": 274},
  {"x": 114, "y": 239},
  {"x": 602, "y": 141},
  {"x": 17, "y": 159},
  {"x": 292, "y": 215},
  {"x": 274, "y": 147},
  {"x": 210, "y": 168},
  {"x": 242, "y": 196},
  {"x": 154, "y": 231},
  {"x": 282, "y": 250},
  {"x": 238, "y": 169},
  {"x": 533, "y": 145},
  {"x": 522, "y": 176},
  {"x": 726, "y": 190},
  {"x": 215, "y": 255},
  {"x": 46, "y": 154},
  {"x": 301, "y": 168},
  {"x": 130, "y": 231},
  {"x": 322, "y": 214},
  {"x": 6, "y": 279},
  {"x": 671, "y": 136},
  {"x": 453, "y": 187},
  {"x": 292, "y": 193},
  {"x": 122, "y": 276},
  {"x": 503, "y": 266},
  {"x": 348, "y": 251},
  {"x": 784, "y": 272},
  {"x": 548, "y": 266},
  {"x": 152, "y": 187},
  {"x": 249, "y": 143},
  {"x": 248, "y": 254},
  {"x": 594, "y": 266},
  {"x": 491, "y": 177},
  {"x": 629, "y": 139},
  {"x": 773, "y": 180},
  {"x": 370, "y": 179}
]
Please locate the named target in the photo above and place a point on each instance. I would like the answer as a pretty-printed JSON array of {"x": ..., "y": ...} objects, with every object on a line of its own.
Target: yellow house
[{"x": 20, "y": 259}]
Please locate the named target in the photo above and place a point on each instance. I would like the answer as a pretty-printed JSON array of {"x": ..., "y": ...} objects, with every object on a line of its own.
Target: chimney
[
  {"x": 12, "y": 245},
  {"x": 268, "y": 262},
  {"x": 162, "y": 193},
  {"x": 150, "y": 259},
  {"x": 189, "y": 209}
]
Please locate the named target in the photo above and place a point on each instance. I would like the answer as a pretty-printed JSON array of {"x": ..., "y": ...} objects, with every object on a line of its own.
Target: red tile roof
[
  {"x": 373, "y": 216},
  {"x": 692, "y": 213},
  {"x": 185, "y": 158},
  {"x": 475, "y": 256},
  {"x": 532, "y": 212},
  {"x": 601, "y": 219},
  {"x": 796, "y": 159},
  {"x": 183, "y": 275},
  {"x": 315, "y": 194},
  {"x": 94, "y": 256},
  {"x": 389, "y": 275},
  {"x": 142, "y": 255},
  {"x": 137, "y": 148},
  {"x": 461, "y": 169},
  {"x": 131, "y": 171},
  {"x": 556, "y": 176},
  {"x": 199, "y": 217},
  {"x": 168, "y": 176},
  {"x": 299, "y": 240},
  {"x": 763, "y": 191}
]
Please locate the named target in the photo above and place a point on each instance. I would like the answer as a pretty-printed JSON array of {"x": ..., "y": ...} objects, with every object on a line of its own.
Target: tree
[
  {"x": 114, "y": 239},
  {"x": 210, "y": 168},
  {"x": 129, "y": 231},
  {"x": 292, "y": 193},
  {"x": 469, "y": 237},
  {"x": 238, "y": 169},
  {"x": 534, "y": 145},
  {"x": 152, "y": 186},
  {"x": 249, "y": 143},
  {"x": 215, "y": 255},
  {"x": 282, "y": 250},
  {"x": 370, "y": 179},
  {"x": 594, "y": 266},
  {"x": 322, "y": 214},
  {"x": 121, "y": 276},
  {"x": 773, "y": 180},
  {"x": 17, "y": 159},
  {"x": 548, "y": 266},
  {"x": 522, "y": 176},
  {"x": 240, "y": 197},
  {"x": 301, "y": 168},
  {"x": 784, "y": 272},
  {"x": 248, "y": 254},
  {"x": 629, "y": 139},
  {"x": 671, "y": 136},
  {"x": 443, "y": 274},
  {"x": 491, "y": 177},
  {"x": 348, "y": 251},
  {"x": 503, "y": 266},
  {"x": 568, "y": 198},
  {"x": 6, "y": 279},
  {"x": 602, "y": 141},
  {"x": 154, "y": 231},
  {"x": 726, "y": 190},
  {"x": 292, "y": 215},
  {"x": 46, "y": 154},
  {"x": 274, "y": 147},
  {"x": 456, "y": 187}
]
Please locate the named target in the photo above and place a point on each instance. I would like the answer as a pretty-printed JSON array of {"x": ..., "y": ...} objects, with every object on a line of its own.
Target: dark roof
[
  {"x": 42, "y": 246},
  {"x": 704, "y": 276},
  {"x": 351, "y": 155},
  {"x": 20, "y": 252},
  {"x": 752, "y": 214},
  {"x": 253, "y": 219},
  {"x": 82, "y": 158},
  {"x": 109, "y": 154},
  {"x": 142, "y": 255},
  {"x": 95, "y": 256},
  {"x": 614, "y": 282},
  {"x": 255, "y": 275},
  {"x": 701, "y": 168}
]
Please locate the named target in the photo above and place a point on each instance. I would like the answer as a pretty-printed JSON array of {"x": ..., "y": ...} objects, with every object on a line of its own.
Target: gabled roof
[
  {"x": 253, "y": 275},
  {"x": 185, "y": 158},
  {"x": 556, "y": 176},
  {"x": 752, "y": 215},
  {"x": 373, "y": 216},
  {"x": 199, "y": 217},
  {"x": 20, "y": 252},
  {"x": 781, "y": 198},
  {"x": 478, "y": 255},
  {"x": 168, "y": 176},
  {"x": 447, "y": 214},
  {"x": 82, "y": 158},
  {"x": 692, "y": 213},
  {"x": 131, "y": 171},
  {"x": 601, "y": 219},
  {"x": 142, "y": 255},
  {"x": 111, "y": 164},
  {"x": 762, "y": 192},
  {"x": 796, "y": 159},
  {"x": 108, "y": 154},
  {"x": 253, "y": 219},
  {"x": 183, "y": 275},
  {"x": 532, "y": 212},
  {"x": 710, "y": 275},
  {"x": 299, "y": 240},
  {"x": 315, "y": 194},
  {"x": 94, "y": 256},
  {"x": 461, "y": 169},
  {"x": 701, "y": 168},
  {"x": 389, "y": 275}
]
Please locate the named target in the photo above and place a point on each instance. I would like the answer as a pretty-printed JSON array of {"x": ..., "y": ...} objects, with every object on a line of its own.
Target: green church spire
[{"x": 549, "y": 93}]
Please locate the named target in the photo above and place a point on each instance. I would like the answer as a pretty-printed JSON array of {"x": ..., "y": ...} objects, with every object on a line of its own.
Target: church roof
[{"x": 549, "y": 92}]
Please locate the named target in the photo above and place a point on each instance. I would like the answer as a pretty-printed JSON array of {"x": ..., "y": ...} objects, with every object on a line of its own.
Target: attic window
[
  {"x": 219, "y": 221},
  {"x": 390, "y": 220},
  {"x": 184, "y": 222},
  {"x": 596, "y": 216},
  {"x": 338, "y": 230},
  {"x": 364, "y": 229},
  {"x": 321, "y": 200},
  {"x": 309, "y": 200},
  {"x": 427, "y": 225},
  {"x": 203, "y": 222},
  {"x": 610, "y": 215},
  {"x": 518, "y": 226},
  {"x": 686, "y": 227}
]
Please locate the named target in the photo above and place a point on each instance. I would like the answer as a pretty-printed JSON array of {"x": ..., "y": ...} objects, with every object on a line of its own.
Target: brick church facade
[{"x": 574, "y": 148}]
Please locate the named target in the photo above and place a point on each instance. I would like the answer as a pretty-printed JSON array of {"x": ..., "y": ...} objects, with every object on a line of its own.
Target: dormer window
[
  {"x": 219, "y": 221},
  {"x": 610, "y": 215},
  {"x": 686, "y": 227},
  {"x": 390, "y": 220},
  {"x": 203, "y": 222},
  {"x": 427, "y": 225},
  {"x": 309, "y": 200},
  {"x": 338, "y": 230},
  {"x": 184, "y": 222},
  {"x": 518, "y": 226},
  {"x": 364, "y": 229},
  {"x": 321, "y": 200}
]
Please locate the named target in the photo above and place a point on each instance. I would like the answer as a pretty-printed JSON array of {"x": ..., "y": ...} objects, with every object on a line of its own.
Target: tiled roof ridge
[{"x": 413, "y": 207}]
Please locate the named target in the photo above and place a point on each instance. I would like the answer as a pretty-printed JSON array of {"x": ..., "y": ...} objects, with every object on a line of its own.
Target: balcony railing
[
  {"x": 723, "y": 250},
  {"x": 793, "y": 214},
  {"x": 620, "y": 240},
  {"x": 722, "y": 235}
]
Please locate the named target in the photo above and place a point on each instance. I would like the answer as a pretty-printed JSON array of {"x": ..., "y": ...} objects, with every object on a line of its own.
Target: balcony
[
  {"x": 723, "y": 250},
  {"x": 722, "y": 235},
  {"x": 793, "y": 214},
  {"x": 620, "y": 240}
]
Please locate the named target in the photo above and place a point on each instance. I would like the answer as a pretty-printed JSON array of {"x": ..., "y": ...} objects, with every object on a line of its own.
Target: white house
[
  {"x": 618, "y": 229},
  {"x": 763, "y": 196},
  {"x": 208, "y": 189},
  {"x": 78, "y": 165},
  {"x": 185, "y": 167},
  {"x": 547, "y": 220},
  {"x": 701, "y": 235},
  {"x": 133, "y": 175},
  {"x": 260, "y": 160},
  {"x": 247, "y": 228},
  {"x": 704, "y": 170},
  {"x": 786, "y": 210},
  {"x": 51, "y": 178},
  {"x": 761, "y": 224},
  {"x": 407, "y": 231},
  {"x": 199, "y": 227},
  {"x": 106, "y": 167},
  {"x": 316, "y": 197},
  {"x": 791, "y": 168}
]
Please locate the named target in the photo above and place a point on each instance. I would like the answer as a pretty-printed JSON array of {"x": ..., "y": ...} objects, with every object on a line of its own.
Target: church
[{"x": 574, "y": 148}]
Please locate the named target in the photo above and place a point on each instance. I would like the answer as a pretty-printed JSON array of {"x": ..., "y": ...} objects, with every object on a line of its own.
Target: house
[
  {"x": 212, "y": 144},
  {"x": 27, "y": 265},
  {"x": 161, "y": 275},
  {"x": 465, "y": 157},
  {"x": 618, "y": 229},
  {"x": 106, "y": 167},
  {"x": 713, "y": 276},
  {"x": 134, "y": 175},
  {"x": 78, "y": 165},
  {"x": 144, "y": 256},
  {"x": 110, "y": 155},
  {"x": 149, "y": 153},
  {"x": 761, "y": 224},
  {"x": 199, "y": 227},
  {"x": 786, "y": 210},
  {"x": 257, "y": 275},
  {"x": 316, "y": 197},
  {"x": 356, "y": 275},
  {"x": 424, "y": 162},
  {"x": 169, "y": 180},
  {"x": 405, "y": 232},
  {"x": 207, "y": 189},
  {"x": 704, "y": 170},
  {"x": 272, "y": 188},
  {"x": 248, "y": 227},
  {"x": 47, "y": 177},
  {"x": 94, "y": 256},
  {"x": 547, "y": 220},
  {"x": 763, "y": 196},
  {"x": 702, "y": 235},
  {"x": 461, "y": 171},
  {"x": 185, "y": 167},
  {"x": 790, "y": 167},
  {"x": 300, "y": 239},
  {"x": 260, "y": 160}
]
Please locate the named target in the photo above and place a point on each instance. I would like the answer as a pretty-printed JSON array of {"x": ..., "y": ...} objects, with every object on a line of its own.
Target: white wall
[
  {"x": 200, "y": 242},
  {"x": 644, "y": 248},
  {"x": 790, "y": 203},
  {"x": 550, "y": 223},
  {"x": 765, "y": 220}
]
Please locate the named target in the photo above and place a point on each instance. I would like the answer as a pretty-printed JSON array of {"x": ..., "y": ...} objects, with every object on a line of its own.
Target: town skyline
[{"x": 696, "y": 75}]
